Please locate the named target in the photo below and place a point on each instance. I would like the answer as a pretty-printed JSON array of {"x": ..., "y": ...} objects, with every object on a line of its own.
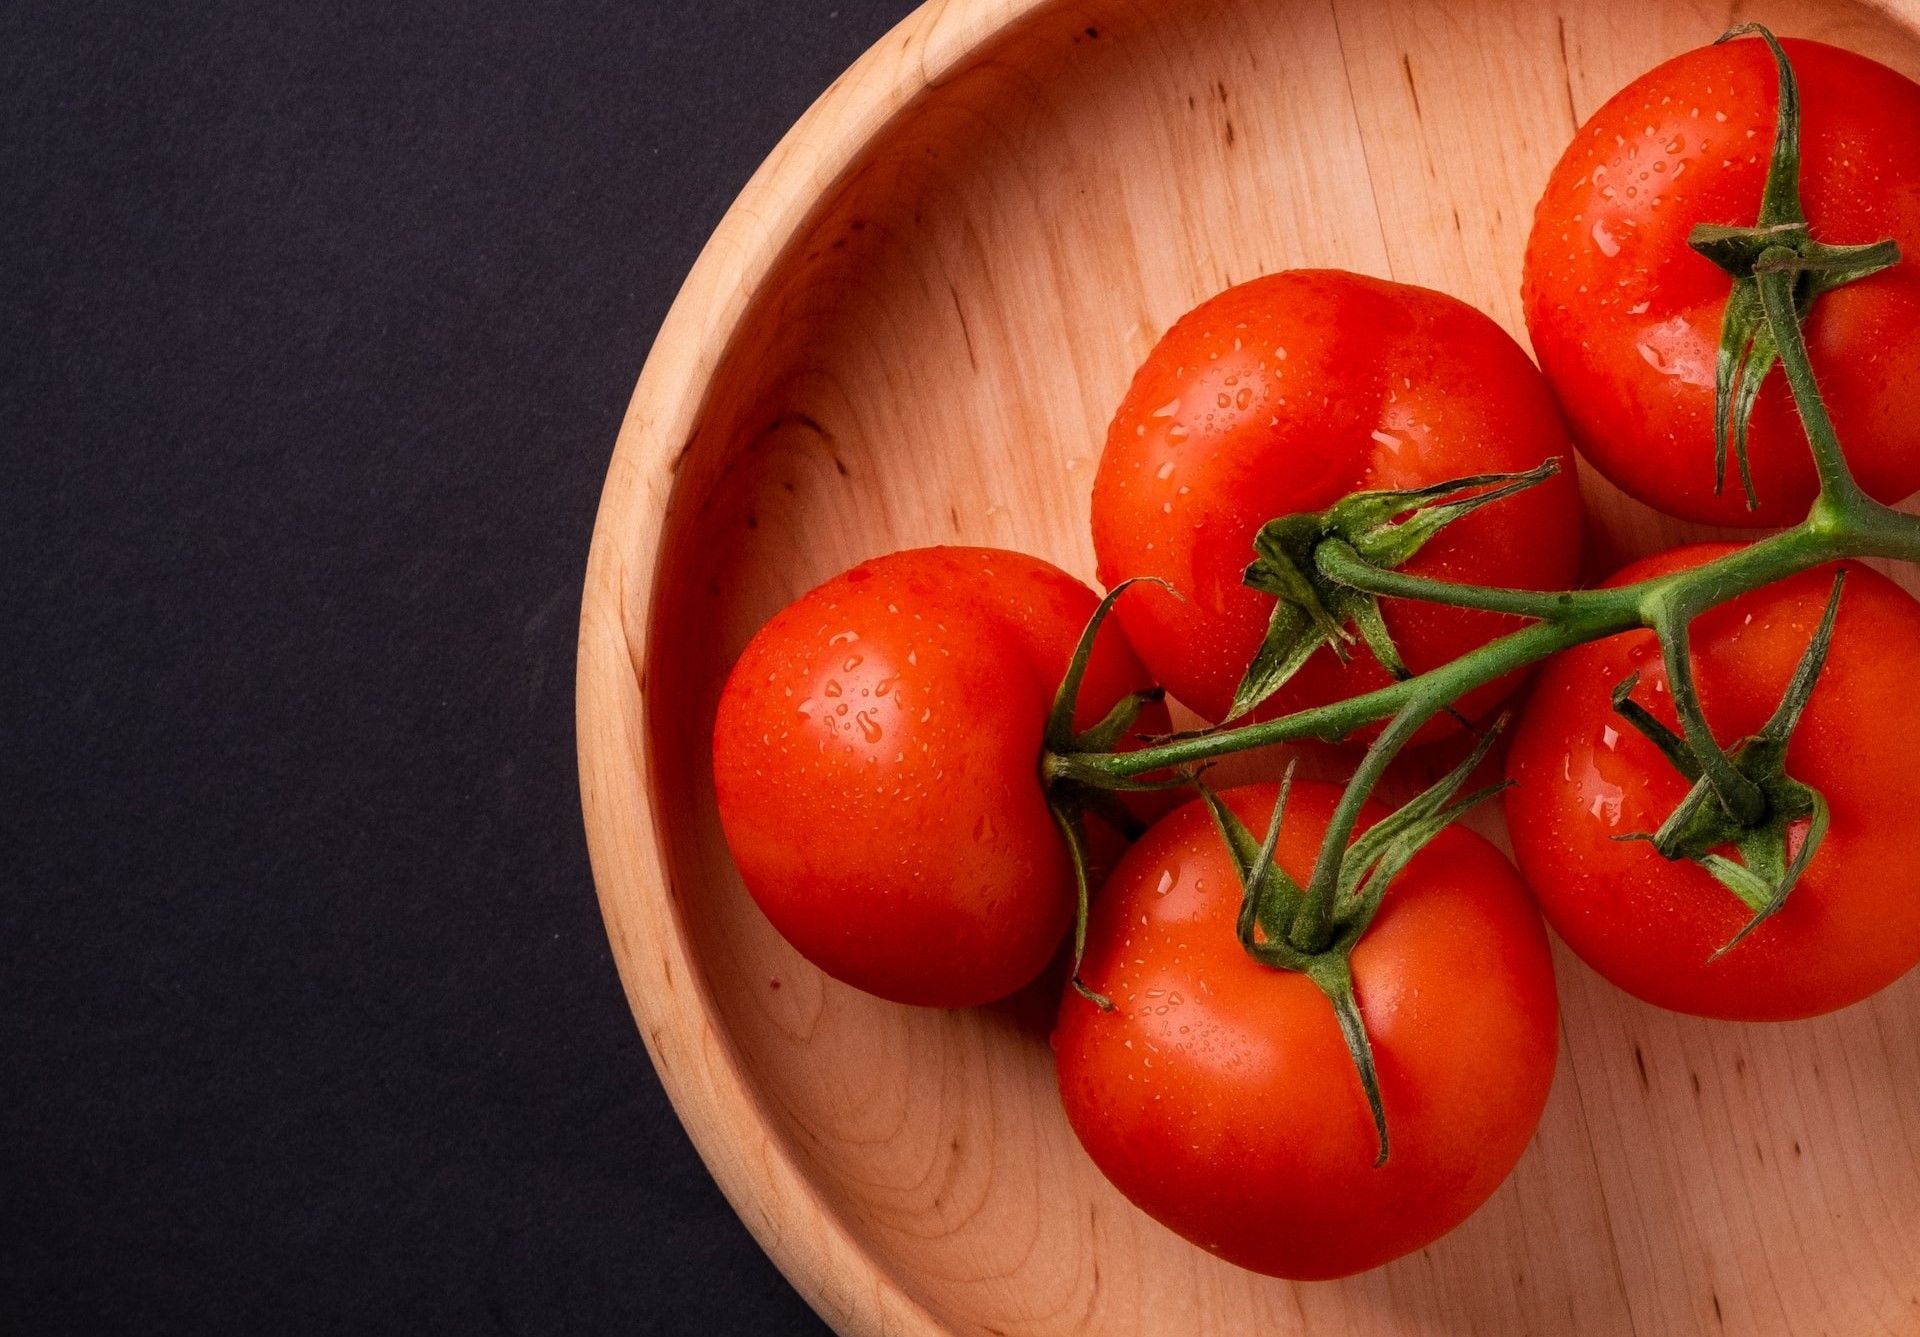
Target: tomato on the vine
[
  {"x": 1219, "y": 1095},
  {"x": 1585, "y": 777},
  {"x": 1626, "y": 318},
  {"x": 1281, "y": 396},
  {"x": 876, "y": 761}
]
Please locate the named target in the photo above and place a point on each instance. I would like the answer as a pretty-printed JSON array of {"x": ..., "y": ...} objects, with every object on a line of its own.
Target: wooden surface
[{"x": 911, "y": 329}]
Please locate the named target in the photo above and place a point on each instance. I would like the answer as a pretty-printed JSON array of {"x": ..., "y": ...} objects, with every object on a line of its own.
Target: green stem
[
  {"x": 1880, "y": 531},
  {"x": 1313, "y": 927},
  {"x": 1775, "y": 275},
  {"x": 1855, "y": 530},
  {"x": 1338, "y": 561},
  {"x": 1737, "y": 794},
  {"x": 1340, "y": 718}
]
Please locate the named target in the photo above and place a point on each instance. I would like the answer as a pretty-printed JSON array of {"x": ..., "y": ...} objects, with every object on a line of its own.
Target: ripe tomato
[
  {"x": 1852, "y": 924},
  {"x": 1218, "y": 1094},
  {"x": 1625, "y": 317},
  {"x": 876, "y": 761},
  {"x": 1281, "y": 396}
]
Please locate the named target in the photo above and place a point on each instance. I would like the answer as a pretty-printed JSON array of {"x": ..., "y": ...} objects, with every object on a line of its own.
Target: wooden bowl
[{"x": 911, "y": 328}]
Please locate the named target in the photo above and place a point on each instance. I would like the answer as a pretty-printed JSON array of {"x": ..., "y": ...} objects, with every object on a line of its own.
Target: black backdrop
[{"x": 316, "y": 324}]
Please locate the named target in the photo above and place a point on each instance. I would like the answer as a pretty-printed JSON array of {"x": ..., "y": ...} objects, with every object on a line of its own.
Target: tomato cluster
[{"x": 1249, "y": 1020}]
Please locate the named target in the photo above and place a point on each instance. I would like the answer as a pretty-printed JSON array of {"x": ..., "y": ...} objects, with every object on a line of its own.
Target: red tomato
[
  {"x": 1625, "y": 317},
  {"x": 1282, "y": 396},
  {"x": 876, "y": 761},
  {"x": 1218, "y": 1094},
  {"x": 1852, "y": 924}
]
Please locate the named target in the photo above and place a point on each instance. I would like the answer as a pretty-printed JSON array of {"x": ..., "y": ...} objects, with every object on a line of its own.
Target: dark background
[{"x": 316, "y": 326}]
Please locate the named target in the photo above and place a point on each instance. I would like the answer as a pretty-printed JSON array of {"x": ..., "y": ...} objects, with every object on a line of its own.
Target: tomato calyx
[
  {"x": 1774, "y": 845},
  {"x": 1384, "y": 529},
  {"x": 1314, "y": 929},
  {"x": 1778, "y": 271},
  {"x": 1071, "y": 800}
]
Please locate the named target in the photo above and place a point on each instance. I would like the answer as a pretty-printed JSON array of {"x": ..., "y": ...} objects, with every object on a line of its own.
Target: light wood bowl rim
[{"x": 702, "y": 1074}]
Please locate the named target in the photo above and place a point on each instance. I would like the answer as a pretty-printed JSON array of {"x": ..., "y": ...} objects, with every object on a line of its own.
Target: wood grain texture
[{"x": 911, "y": 328}]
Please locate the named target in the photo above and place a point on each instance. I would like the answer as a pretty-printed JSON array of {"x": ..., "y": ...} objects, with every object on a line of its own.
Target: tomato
[
  {"x": 1625, "y": 317},
  {"x": 1852, "y": 924},
  {"x": 1218, "y": 1095},
  {"x": 1281, "y": 396},
  {"x": 876, "y": 761}
]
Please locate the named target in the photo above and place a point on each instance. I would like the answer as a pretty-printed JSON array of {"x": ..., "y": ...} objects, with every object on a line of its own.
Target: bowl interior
[{"x": 934, "y": 359}]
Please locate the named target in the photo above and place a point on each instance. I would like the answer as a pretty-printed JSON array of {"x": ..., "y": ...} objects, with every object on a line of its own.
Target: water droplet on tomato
[{"x": 869, "y": 727}]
